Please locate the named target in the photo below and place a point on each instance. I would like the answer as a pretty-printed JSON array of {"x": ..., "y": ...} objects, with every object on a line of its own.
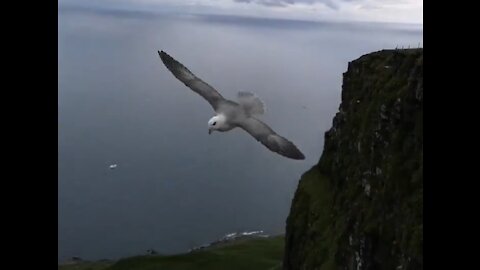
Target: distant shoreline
[
  {"x": 227, "y": 239},
  {"x": 256, "y": 251}
]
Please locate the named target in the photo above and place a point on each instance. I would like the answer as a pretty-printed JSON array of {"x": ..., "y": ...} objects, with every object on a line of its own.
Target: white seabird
[{"x": 230, "y": 114}]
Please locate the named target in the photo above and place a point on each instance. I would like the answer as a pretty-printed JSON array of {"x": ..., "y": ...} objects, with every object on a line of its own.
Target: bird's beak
[{"x": 209, "y": 131}]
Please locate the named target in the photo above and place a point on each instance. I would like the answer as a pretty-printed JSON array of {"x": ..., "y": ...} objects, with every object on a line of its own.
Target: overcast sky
[{"x": 400, "y": 11}]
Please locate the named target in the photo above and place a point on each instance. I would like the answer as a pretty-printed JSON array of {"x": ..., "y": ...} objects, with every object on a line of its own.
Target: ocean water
[{"x": 174, "y": 187}]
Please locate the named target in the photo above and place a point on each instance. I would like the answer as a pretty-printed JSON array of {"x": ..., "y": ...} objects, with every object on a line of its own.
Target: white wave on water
[{"x": 232, "y": 236}]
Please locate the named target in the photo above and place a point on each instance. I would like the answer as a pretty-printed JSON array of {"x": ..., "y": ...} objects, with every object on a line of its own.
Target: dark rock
[
  {"x": 152, "y": 252},
  {"x": 361, "y": 206}
]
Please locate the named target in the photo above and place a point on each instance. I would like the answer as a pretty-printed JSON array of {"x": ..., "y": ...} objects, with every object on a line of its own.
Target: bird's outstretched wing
[
  {"x": 276, "y": 143},
  {"x": 189, "y": 79}
]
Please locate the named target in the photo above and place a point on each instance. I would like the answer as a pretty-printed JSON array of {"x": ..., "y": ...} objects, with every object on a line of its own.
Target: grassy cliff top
[{"x": 259, "y": 253}]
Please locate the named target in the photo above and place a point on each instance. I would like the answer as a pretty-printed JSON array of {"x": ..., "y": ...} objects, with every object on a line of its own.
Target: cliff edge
[{"x": 361, "y": 206}]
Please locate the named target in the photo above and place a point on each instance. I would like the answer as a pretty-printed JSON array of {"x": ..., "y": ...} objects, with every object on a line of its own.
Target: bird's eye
[{"x": 214, "y": 123}]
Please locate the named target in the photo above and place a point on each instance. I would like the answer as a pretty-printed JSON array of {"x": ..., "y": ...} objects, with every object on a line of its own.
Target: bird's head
[{"x": 216, "y": 123}]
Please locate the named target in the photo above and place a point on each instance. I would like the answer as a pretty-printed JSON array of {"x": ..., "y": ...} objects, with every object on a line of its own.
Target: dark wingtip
[
  {"x": 285, "y": 148},
  {"x": 294, "y": 153},
  {"x": 166, "y": 59},
  {"x": 298, "y": 156},
  {"x": 161, "y": 54}
]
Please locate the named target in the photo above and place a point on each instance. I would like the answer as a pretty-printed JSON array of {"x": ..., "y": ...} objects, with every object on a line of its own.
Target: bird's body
[
  {"x": 233, "y": 114},
  {"x": 230, "y": 114}
]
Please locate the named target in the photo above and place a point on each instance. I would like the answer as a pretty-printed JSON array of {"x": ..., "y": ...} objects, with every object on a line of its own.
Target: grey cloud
[
  {"x": 333, "y": 4},
  {"x": 369, "y": 7},
  {"x": 270, "y": 3}
]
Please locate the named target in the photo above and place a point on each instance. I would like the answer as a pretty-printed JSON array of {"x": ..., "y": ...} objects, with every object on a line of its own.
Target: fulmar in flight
[{"x": 230, "y": 114}]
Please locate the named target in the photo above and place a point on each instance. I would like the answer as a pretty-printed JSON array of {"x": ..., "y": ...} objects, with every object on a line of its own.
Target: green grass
[
  {"x": 100, "y": 265},
  {"x": 251, "y": 254}
]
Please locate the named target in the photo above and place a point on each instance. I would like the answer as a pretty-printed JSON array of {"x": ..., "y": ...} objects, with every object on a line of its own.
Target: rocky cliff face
[{"x": 361, "y": 206}]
